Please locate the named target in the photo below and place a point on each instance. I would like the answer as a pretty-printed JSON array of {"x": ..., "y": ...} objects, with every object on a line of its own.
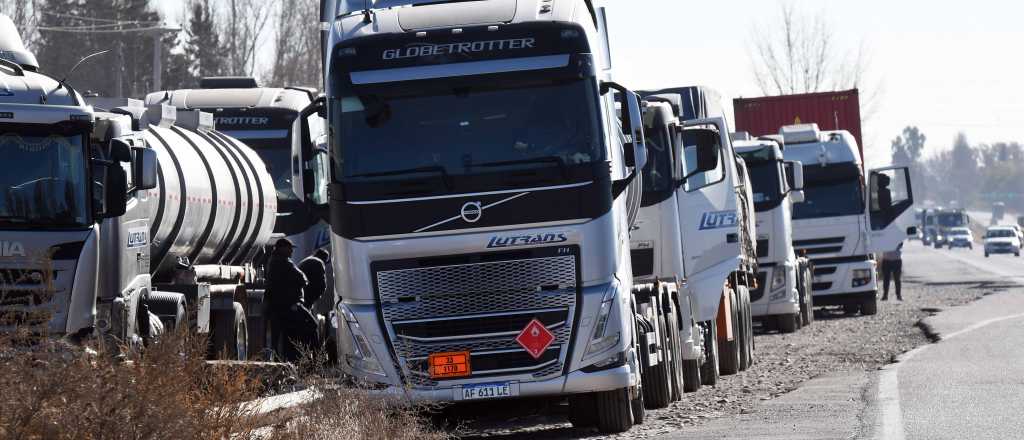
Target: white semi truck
[
  {"x": 483, "y": 191},
  {"x": 716, "y": 217},
  {"x": 116, "y": 218},
  {"x": 847, "y": 217},
  {"x": 782, "y": 298},
  {"x": 280, "y": 125}
]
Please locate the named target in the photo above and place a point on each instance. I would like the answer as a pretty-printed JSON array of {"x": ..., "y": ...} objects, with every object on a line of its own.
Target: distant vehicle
[
  {"x": 1002, "y": 240},
  {"x": 998, "y": 211},
  {"x": 960, "y": 237},
  {"x": 939, "y": 221},
  {"x": 1020, "y": 232}
]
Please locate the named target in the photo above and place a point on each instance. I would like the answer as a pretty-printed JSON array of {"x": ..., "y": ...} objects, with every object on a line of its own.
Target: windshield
[
  {"x": 952, "y": 220},
  {"x": 277, "y": 155},
  {"x": 459, "y": 130},
  {"x": 830, "y": 199},
  {"x": 1000, "y": 233},
  {"x": 766, "y": 184},
  {"x": 657, "y": 176},
  {"x": 43, "y": 180}
]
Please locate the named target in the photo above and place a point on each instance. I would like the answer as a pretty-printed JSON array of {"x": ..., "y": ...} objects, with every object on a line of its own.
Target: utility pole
[{"x": 158, "y": 46}]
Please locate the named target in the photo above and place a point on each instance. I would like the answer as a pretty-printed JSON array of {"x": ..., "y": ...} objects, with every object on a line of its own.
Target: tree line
[
  {"x": 216, "y": 38},
  {"x": 969, "y": 175}
]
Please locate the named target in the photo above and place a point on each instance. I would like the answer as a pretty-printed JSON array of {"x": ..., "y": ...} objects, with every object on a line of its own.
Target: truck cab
[
  {"x": 847, "y": 216},
  {"x": 782, "y": 297},
  {"x": 483, "y": 191},
  {"x": 290, "y": 137}
]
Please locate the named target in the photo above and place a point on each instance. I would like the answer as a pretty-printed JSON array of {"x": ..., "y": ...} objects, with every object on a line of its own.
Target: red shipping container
[{"x": 830, "y": 110}]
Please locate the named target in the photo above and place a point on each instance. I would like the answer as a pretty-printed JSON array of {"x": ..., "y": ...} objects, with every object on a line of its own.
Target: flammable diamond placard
[{"x": 535, "y": 338}]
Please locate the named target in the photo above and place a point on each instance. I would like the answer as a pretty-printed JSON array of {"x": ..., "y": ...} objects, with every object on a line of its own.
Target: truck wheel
[
  {"x": 729, "y": 351},
  {"x": 169, "y": 307},
  {"x": 691, "y": 376},
  {"x": 657, "y": 391},
  {"x": 747, "y": 354},
  {"x": 676, "y": 364},
  {"x": 709, "y": 370},
  {"x": 614, "y": 411},
  {"x": 582, "y": 411},
  {"x": 789, "y": 323},
  {"x": 869, "y": 306},
  {"x": 807, "y": 313},
  {"x": 230, "y": 333}
]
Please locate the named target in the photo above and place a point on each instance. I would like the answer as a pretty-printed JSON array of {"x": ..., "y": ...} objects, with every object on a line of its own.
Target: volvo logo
[{"x": 472, "y": 211}]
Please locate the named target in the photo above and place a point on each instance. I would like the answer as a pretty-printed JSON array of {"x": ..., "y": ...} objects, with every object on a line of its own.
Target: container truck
[
  {"x": 118, "y": 222},
  {"x": 846, "y": 217},
  {"x": 830, "y": 110},
  {"x": 782, "y": 297},
  {"x": 279, "y": 124},
  {"x": 716, "y": 214},
  {"x": 483, "y": 191}
]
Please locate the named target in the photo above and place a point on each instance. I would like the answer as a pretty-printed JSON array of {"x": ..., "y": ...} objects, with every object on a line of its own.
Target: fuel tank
[{"x": 215, "y": 202}]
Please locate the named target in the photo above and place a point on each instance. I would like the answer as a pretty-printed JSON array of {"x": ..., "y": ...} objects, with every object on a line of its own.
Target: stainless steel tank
[{"x": 215, "y": 202}]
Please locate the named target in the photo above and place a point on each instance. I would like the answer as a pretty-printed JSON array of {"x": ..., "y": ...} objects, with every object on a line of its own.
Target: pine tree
[{"x": 204, "y": 51}]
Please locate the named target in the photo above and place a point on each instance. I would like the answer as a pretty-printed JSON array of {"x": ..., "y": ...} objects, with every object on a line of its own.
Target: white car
[
  {"x": 960, "y": 237},
  {"x": 1020, "y": 232},
  {"x": 1002, "y": 240}
]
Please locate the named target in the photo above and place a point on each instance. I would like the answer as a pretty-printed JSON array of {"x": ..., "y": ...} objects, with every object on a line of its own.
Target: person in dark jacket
[
  {"x": 291, "y": 324},
  {"x": 315, "y": 269}
]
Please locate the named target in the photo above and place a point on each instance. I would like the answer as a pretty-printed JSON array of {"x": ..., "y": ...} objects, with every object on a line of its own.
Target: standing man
[
  {"x": 315, "y": 269},
  {"x": 284, "y": 306},
  {"x": 892, "y": 268}
]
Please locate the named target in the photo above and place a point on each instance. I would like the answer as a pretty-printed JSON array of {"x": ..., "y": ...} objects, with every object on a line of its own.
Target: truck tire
[
  {"x": 230, "y": 336},
  {"x": 729, "y": 351},
  {"x": 709, "y": 370},
  {"x": 657, "y": 387},
  {"x": 614, "y": 411},
  {"x": 676, "y": 361},
  {"x": 869, "y": 306},
  {"x": 582, "y": 411},
  {"x": 691, "y": 376},
  {"x": 169, "y": 307},
  {"x": 789, "y": 323},
  {"x": 747, "y": 354},
  {"x": 806, "y": 300}
]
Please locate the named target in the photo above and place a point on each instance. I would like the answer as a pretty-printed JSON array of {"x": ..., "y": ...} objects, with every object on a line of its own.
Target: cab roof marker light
[
  {"x": 492, "y": 28},
  {"x": 421, "y": 34},
  {"x": 456, "y": 31}
]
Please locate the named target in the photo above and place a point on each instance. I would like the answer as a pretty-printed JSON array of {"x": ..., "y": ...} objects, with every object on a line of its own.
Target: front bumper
[
  {"x": 990, "y": 249},
  {"x": 838, "y": 279},
  {"x": 781, "y": 301},
  {"x": 842, "y": 299},
  {"x": 960, "y": 243}
]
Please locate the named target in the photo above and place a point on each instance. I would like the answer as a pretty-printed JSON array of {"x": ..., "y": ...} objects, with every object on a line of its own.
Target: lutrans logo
[
  {"x": 527, "y": 240},
  {"x": 718, "y": 220},
  {"x": 138, "y": 237},
  {"x": 11, "y": 249}
]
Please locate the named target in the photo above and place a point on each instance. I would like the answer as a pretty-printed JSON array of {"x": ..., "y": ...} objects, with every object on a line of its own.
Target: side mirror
[
  {"x": 146, "y": 169},
  {"x": 120, "y": 150},
  {"x": 632, "y": 124},
  {"x": 798, "y": 196},
  {"x": 115, "y": 192},
  {"x": 912, "y": 231},
  {"x": 797, "y": 169}
]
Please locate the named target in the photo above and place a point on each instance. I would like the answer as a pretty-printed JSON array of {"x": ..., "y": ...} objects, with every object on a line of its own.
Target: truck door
[
  {"x": 707, "y": 200},
  {"x": 889, "y": 196}
]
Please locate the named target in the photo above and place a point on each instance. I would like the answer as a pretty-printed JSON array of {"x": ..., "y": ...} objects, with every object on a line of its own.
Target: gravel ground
[{"x": 834, "y": 343}]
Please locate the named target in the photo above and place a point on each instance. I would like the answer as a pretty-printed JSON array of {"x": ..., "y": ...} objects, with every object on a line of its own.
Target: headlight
[
  {"x": 778, "y": 277},
  {"x": 861, "y": 277},
  {"x": 599, "y": 340},
  {"x": 362, "y": 357}
]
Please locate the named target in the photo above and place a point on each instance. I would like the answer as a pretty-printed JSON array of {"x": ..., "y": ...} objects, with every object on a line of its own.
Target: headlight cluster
[
  {"x": 362, "y": 358},
  {"x": 861, "y": 277},
  {"x": 600, "y": 341}
]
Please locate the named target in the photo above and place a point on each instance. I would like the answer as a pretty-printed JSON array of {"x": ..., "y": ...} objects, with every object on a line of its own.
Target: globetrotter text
[{"x": 426, "y": 50}]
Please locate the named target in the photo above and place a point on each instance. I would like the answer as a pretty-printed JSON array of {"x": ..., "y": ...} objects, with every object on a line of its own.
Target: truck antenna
[{"x": 63, "y": 81}]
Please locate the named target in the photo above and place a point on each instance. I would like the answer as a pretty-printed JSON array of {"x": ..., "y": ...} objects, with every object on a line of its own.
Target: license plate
[
  {"x": 488, "y": 391},
  {"x": 449, "y": 365}
]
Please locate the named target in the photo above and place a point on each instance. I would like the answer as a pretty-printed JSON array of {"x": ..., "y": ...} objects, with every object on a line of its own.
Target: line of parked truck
[{"x": 506, "y": 220}]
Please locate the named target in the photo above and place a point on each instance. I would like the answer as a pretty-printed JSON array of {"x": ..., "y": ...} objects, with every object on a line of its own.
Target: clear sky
[{"x": 945, "y": 66}]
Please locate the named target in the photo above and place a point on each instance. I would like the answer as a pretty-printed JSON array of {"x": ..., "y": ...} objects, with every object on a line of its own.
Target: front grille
[
  {"x": 762, "y": 248},
  {"x": 822, "y": 250},
  {"x": 479, "y": 303},
  {"x": 643, "y": 262},
  {"x": 821, "y": 286},
  {"x": 21, "y": 278},
  {"x": 758, "y": 292},
  {"x": 824, "y": 270}
]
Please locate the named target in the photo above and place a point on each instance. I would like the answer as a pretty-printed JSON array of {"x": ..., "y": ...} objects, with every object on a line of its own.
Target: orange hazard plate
[{"x": 449, "y": 365}]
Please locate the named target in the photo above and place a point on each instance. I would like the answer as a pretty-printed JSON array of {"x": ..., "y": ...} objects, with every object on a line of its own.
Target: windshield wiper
[
  {"x": 445, "y": 177},
  {"x": 547, "y": 159}
]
